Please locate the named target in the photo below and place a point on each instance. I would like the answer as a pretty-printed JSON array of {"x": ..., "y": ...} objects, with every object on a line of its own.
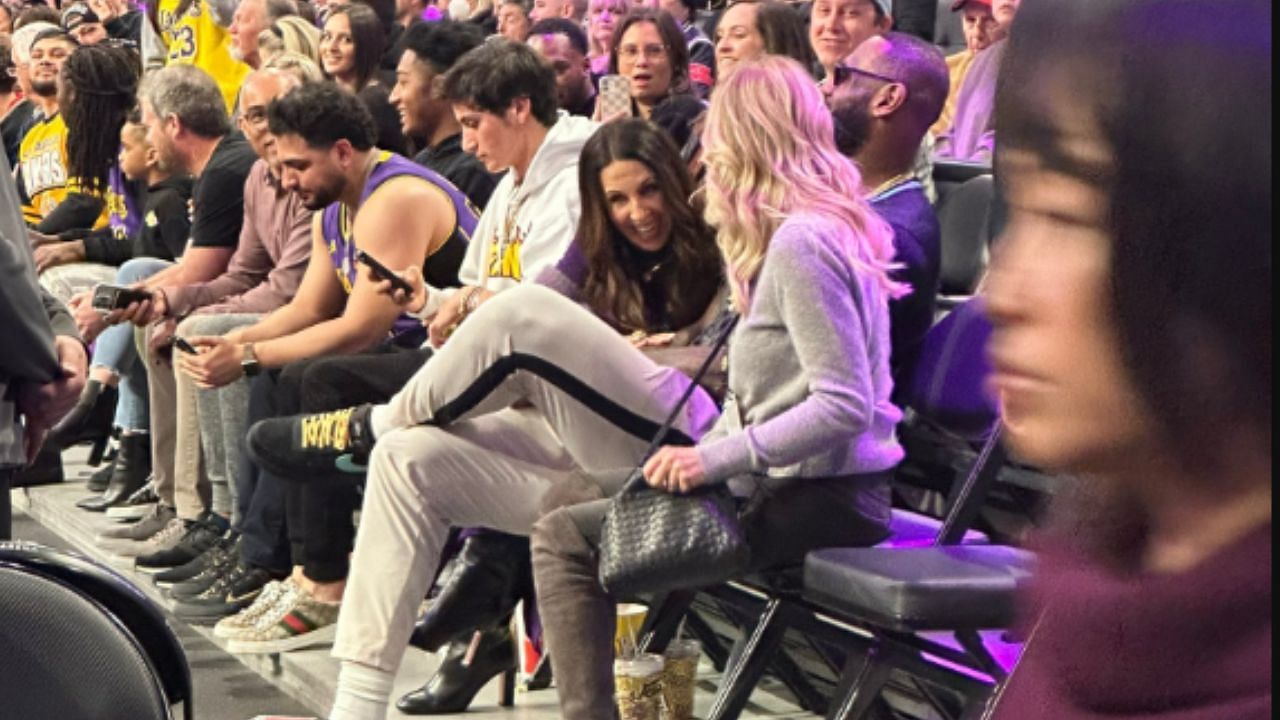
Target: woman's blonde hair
[
  {"x": 295, "y": 65},
  {"x": 291, "y": 34},
  {"x": 770, "y": 153}
]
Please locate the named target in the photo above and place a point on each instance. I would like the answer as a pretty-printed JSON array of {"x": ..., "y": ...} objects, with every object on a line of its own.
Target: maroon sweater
[{"x": 1194, "y": 645}]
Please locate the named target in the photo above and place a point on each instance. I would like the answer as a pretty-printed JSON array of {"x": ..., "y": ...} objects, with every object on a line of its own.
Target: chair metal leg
[
  {"x": 795, "y": 679},
  {"x": 663, "y": 620},
  {"x": 861, "y": 683},
  {"x": 742, "y": 676}
]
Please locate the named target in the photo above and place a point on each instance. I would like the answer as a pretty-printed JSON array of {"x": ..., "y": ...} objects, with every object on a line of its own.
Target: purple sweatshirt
[
  {"x": 972, "y": 137},
  {"x": 1191, "y": 645},
  {"x": 267, "y": 267}
]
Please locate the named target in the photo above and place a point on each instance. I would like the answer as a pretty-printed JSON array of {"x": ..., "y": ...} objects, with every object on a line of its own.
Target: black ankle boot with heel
[
  {"x": 472, "y": 616},
  {"x": 132, "y": 468},
  {"x": 468, "y": 666}
]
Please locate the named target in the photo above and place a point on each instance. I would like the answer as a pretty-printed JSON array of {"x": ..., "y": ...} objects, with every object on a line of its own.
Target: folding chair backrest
[
  {"x": 948, "y": 386},
  {"x": 128, "y": 609}
]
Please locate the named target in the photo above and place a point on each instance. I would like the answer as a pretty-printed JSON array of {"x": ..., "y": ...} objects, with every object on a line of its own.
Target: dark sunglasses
[{"x": 842, "y": 73}]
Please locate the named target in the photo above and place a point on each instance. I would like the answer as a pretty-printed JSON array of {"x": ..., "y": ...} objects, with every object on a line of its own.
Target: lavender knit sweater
[{"x": 809, "y": 378}]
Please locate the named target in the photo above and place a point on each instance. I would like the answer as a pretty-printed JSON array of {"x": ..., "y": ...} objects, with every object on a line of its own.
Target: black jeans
[{"x": 316, "y": 518}]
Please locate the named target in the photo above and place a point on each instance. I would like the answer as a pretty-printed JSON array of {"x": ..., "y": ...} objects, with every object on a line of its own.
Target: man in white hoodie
[{"x": 504, "y": 97}]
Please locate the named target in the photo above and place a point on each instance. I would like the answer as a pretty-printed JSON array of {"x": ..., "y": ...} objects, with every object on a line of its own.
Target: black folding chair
[{"x": 78, "y": 641}]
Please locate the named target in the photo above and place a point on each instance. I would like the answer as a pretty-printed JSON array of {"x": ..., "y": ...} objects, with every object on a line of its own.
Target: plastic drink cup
[
  {"x": 679, "y": 671},
  {"x": 639, "y": 687}
]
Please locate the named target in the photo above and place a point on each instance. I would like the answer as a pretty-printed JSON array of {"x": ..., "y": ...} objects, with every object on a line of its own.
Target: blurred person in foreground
[
  {"x": 1131, "y": 297},
  {"x": 42, "y": 373}
]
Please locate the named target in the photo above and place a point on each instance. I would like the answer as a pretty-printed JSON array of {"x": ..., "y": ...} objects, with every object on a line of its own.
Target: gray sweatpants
[
  {"x": 223, "y": 417},
  {"x": 201, "y": 430},
  {"x": 589, "y": 403}
]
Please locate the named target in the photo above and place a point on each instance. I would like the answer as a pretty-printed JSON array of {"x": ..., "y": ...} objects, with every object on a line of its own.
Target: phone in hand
[
  {"x": 108, "y": 297},
  {"x": 381, "y": 271},
  {"x": 615, "y": 96},
  {"x": 186, "y": 347}
]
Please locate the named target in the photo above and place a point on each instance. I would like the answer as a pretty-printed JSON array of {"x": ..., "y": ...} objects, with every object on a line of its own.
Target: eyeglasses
[
  {"x": 651, "y": 52},
  {"x": 842, "y": 73},
  {"x": 256, "y": 115}
]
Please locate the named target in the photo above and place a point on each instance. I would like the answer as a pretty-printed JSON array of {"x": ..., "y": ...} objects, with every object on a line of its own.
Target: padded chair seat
[
  {"x": 909, "y": 530},
  {"x": 918, "y": 589}
]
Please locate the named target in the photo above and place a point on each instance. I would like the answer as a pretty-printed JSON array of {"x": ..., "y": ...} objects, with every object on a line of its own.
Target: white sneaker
[
  {"x": 296, "y": 621},
  {"x": 234, "y": 625}
]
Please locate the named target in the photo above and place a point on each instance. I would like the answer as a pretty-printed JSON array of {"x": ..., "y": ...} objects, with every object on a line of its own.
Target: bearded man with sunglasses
[{"x": 883, "y": 98}]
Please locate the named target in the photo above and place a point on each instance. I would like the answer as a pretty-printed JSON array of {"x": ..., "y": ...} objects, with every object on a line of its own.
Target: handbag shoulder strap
[{"x": 661, "y": 435}]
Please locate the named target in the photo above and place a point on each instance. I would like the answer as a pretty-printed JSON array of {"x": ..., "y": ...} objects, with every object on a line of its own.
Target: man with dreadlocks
[{"x": 95, "y": 92}]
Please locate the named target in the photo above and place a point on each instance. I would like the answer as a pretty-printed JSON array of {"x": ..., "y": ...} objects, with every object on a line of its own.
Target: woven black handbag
[{"x": 653, "y": 541}]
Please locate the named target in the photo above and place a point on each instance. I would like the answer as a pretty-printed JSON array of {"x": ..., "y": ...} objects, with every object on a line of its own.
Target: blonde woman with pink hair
[
  {"x": 807, "y": 422},
  {"x": 533, "y": 410}
]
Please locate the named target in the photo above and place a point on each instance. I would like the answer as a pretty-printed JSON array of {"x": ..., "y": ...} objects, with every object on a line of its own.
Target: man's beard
[
  {"x": 44, "y": 88},
  {"x": 322, "y": 197},
  {"x": 852, "y": 124},
  {"x": 853, "y": 128}
]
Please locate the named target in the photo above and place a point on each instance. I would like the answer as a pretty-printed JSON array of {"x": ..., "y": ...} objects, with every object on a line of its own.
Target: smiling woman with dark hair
[
  {"x": 643, "y": 259},
  {"x": 1131, "y": 296},
  {"x": 351, "y": 48}
]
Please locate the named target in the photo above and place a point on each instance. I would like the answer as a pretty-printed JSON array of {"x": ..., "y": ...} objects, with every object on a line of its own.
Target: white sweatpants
[{"x": 591, "y": 402}]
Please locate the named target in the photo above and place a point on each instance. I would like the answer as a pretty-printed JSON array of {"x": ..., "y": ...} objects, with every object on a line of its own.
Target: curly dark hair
[
  {"x": 692, "y": 276},
  {"x": 322, "y": 114},
  {"x": 100, "y": 85}
]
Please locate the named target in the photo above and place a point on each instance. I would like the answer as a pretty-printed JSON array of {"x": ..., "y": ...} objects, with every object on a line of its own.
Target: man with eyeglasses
[
  {"x": 262, "y": 275},
  {"x": 883, "y": 99}
]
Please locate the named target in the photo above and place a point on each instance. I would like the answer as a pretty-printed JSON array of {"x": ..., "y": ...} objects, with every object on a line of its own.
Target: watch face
[{"x": 250, "y": 367}]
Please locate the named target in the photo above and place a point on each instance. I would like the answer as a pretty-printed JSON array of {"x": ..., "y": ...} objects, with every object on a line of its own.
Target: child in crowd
[{"x": 166, "y": 220}]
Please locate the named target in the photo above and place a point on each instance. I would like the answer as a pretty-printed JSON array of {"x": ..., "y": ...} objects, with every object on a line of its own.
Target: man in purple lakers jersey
[{"x": 367, "y": 200}]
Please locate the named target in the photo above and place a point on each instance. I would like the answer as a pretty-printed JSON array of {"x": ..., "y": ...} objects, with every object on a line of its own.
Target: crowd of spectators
[{"x": 397, "y": 257}]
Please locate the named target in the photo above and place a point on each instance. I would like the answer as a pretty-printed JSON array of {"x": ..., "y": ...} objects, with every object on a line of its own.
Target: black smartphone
[
  {"x": 186, "y": 347},
  {"x": 383, "y": 272},
  {"x": 108, "y": 297}
]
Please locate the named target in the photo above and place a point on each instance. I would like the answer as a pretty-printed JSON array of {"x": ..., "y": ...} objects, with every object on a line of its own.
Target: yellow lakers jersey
[
  {"x": 42, "y": 157},
  {"x": 196, "y": 39}
]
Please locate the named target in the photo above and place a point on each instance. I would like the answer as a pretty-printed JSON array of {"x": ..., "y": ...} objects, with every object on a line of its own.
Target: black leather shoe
[
  {"x": 137, "y": 505},
  {"x": 222, "y": 551},
  {"x": 89, "y": 421},
  {"x": 201, "y": 534},
  {"x": 132, "y": 468},
  {"x": 492, "y": 571},
  {"x": 456, "y": 682}
]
